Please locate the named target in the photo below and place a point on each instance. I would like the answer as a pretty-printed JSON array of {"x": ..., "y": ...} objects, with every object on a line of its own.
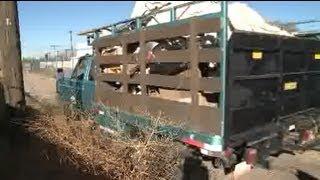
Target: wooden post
[
  {"x": 142, "y": 64},
  {"x": 194, "y": 53},
  {"x": 10, "y": 55},
  {"x": 124, "y": 77}
]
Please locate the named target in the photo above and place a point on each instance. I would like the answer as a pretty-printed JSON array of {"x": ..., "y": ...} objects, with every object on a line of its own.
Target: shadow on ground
[{"x": 25, "y": 157}]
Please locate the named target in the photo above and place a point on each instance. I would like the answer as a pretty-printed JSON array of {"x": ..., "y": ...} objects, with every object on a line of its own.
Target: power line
[{"x": 302, "y": 22}]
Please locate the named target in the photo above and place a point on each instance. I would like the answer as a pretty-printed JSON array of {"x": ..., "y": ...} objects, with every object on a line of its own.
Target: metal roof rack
[{"x": 137, "y": 21}]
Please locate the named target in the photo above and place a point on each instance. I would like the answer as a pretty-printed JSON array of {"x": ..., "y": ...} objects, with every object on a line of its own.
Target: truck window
[{"x": 79, "y": 70}]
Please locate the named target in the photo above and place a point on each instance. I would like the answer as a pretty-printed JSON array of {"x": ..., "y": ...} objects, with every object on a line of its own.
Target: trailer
[{"x": 262, "y": 87}]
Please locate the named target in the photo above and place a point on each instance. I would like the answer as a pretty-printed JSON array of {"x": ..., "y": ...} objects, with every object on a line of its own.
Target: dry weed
[{"x": 84, "y": 144}]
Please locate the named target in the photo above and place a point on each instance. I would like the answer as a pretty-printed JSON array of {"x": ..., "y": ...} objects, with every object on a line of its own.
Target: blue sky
[{"x": 46, "y": 23}]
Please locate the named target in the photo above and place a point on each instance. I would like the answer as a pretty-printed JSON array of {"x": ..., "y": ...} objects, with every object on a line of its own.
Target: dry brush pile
[{"x": 91, "y": 149}]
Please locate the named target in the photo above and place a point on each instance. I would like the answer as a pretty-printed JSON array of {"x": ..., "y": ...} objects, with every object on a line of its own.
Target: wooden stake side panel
[
  {"x": 109, "y": 41},
  {"x": 207, "y": 122},
  {"x": 194, "y": 116},
  {"x": 161, "y": 32},
  {"x": 116, "y": 59},
  {"x": 204, "y": 55},
  {"x": 174, "y": 82}
]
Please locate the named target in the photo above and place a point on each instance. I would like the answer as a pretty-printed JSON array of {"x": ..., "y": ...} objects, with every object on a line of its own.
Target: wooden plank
[
  {"x": 210, "y": 84},
  {"x": 209, "y": 55},
  {"x": 176, "y": 82},
  {"x": 166, "y": 31},
  {"x": 117, "y": 99},
  {"x": 172, "y": 56},
  {"x": 131, "y": 37},
  {"x": 109, "y": 77},
  {"x": 172, "y": 110},
  {"x": 208, "y": 121},
  {"x": 124, "y": 77},
  {"x": 107, "y": 41},
  {"x": 142, "y": 61},
  {"x": 115, "y": 59},
  {"x": 111, "y": 98},
  {"x": 112, "y": 59},
  {"x": 194, "y": 54},
  {"x": 207, "y": 25},
  {"x": 204, "y": 55}
]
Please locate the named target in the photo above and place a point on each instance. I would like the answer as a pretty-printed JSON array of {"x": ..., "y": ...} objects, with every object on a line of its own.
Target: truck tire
[{"x": 194, "y": 167}]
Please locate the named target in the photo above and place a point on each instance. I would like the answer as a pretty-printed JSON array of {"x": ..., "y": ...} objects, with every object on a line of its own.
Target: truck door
[
  {"x": 71, "y": 88},
  {"x": 88, "y": 85}
]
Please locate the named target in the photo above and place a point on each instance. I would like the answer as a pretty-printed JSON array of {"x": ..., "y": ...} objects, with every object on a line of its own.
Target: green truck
[{"x": 262, "y": 87}]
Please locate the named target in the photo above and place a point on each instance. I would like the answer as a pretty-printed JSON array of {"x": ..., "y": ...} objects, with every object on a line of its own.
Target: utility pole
[
  {"x": 54, "y": 50},
  {"x": 65, "y": 58},
  {"x": 11, "y": 76},
  {"x": 71, "y": 48},
  {"x": 57, "y": 57},
  {"x": 71, "y": 43},
  {"x": 47, "y": 59}
]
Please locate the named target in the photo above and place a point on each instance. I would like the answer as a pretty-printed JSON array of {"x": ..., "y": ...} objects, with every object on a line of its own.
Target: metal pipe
[
  {"x": 173, "y": 14},
  {"x": 113, "y": 30},
  {"x": 224, "y": 37},
  {"x": 140, "y": 17},
  {"x": 138, "y": 23}
]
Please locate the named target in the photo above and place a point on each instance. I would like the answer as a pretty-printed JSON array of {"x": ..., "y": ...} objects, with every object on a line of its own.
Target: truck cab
[{"x": 79, "y": 87}]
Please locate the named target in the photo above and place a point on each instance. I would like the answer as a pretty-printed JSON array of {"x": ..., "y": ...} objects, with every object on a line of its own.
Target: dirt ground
[
  {"x": 283, "y": 167},
  {"x": 40, "y": 86}
]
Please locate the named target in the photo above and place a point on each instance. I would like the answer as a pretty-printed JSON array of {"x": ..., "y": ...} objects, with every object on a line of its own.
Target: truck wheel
[
  {"x": 213, "y": 172},
  {"x": 194, "y": 167},
  {"x": 191, "y": 167}
]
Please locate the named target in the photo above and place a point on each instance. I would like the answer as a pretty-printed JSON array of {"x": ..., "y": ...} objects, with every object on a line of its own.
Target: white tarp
[{"x": 241, "y": 16}]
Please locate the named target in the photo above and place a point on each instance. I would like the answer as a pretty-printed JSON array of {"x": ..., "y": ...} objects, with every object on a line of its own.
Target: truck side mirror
[{"x": 60, "y": 73}]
